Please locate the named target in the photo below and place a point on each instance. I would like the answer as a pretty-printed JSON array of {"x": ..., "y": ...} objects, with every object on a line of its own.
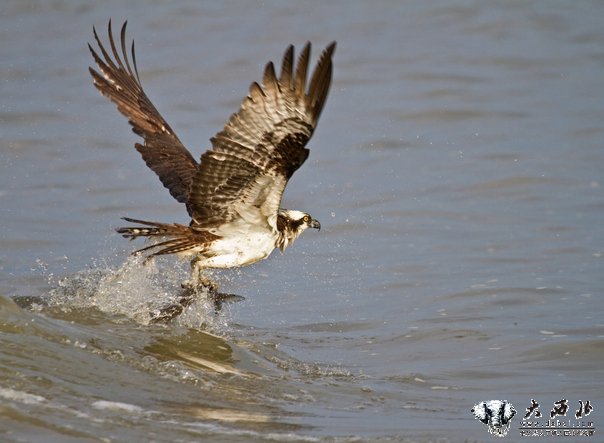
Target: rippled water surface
[{"x": 457, "y": 172}]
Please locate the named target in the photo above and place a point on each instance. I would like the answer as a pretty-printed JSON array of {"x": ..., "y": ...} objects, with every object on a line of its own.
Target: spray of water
[{"x": 135, "y": 290}]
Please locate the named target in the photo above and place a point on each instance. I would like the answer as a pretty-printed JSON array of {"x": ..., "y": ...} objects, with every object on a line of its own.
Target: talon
[
  {"x": 209, "y": 285},
  {"x": 191, "y": 288},
  {"x": 198, "y": 279}
]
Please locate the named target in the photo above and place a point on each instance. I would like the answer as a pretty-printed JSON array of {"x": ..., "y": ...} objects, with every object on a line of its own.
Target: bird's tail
[{"x": 179, "y": 238}]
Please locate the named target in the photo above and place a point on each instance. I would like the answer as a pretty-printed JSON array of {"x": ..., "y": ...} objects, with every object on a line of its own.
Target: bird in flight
[{"x": 233, "y": 194}]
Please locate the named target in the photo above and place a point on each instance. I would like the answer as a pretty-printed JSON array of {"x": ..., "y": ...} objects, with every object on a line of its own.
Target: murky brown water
[{"x": 457, "y": 172}]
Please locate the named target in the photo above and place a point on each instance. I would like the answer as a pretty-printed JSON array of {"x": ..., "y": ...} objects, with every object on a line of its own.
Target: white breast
[{"x": 239, "y": 246}]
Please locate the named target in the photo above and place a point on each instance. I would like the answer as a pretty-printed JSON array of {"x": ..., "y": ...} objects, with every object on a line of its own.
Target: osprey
[{"x": 233, "y": 195}]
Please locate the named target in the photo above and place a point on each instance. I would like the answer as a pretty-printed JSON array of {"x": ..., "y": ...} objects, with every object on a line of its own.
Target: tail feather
[
  {"x": 179, "y": 237},
  {"x": 157, "y": 229}
]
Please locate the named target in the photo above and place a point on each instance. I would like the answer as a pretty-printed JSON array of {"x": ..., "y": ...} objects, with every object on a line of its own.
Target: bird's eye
[{"x": 306, "y": 219}]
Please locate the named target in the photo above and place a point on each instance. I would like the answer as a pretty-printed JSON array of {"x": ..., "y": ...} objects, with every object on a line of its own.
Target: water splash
[{"x": 135, "y": 290}]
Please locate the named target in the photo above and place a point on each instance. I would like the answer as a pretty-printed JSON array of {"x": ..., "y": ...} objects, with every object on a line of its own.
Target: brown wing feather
[
  {"x": 262, "y": 145},
  {"x": 162, "y": 150}
]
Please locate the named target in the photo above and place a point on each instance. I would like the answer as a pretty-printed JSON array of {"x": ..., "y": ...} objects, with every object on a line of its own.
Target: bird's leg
[
  {"x": 198, "y": 278},
  {"x": 190, "y": 293}
]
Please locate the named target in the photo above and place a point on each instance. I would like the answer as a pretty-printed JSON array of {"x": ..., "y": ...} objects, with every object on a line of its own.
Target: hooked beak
[{"x": 315, "y": 224}]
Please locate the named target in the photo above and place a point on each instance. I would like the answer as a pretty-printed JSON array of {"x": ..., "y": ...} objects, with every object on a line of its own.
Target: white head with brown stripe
[{"x": 291, "y": 224}]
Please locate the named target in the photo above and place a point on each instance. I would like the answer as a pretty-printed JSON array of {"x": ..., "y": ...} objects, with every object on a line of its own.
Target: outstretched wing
[
  {"x": 162, "y": 150},
  {"x": 245, "y": 173}
]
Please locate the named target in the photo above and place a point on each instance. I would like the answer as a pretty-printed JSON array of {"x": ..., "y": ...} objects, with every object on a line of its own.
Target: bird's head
[{"x": 292, "y": 223}]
